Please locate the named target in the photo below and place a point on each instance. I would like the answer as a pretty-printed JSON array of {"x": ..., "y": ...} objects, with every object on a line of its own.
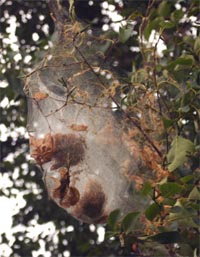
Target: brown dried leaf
[
  {"x": 42, "y": 149},
  {"x": 154, "y": 162},
  {"x": 80, "y": 127},
  {"x": 70, "y": 198},
  {"x": 139, "y": 181},
  {"x": 40, "y": 96}
]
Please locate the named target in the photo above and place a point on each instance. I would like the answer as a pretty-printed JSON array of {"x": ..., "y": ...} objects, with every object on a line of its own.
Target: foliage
[{"x": 159, "y": 92}]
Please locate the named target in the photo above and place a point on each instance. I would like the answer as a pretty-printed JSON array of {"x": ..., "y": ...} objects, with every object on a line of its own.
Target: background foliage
[{"x": 163, "y": 84}]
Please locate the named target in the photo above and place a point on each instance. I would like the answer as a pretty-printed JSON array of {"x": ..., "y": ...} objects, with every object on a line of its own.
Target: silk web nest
[{"x": 76, "y": 137}]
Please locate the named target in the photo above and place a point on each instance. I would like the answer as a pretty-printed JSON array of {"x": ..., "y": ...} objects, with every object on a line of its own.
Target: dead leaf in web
[
  {"x": 138, "y": 180},
  {"x": 40, "y": 96},
  {"x": 80, "y": 127}
]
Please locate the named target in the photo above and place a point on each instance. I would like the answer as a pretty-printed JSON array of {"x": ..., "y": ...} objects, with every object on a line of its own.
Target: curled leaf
[{"x": 177, "y": 155}]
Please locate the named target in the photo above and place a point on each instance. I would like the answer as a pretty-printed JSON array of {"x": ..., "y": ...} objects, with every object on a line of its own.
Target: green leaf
[
  {"x": 187, "y": 179},
  {"x": 84, "y": 247},
  {"x": 197, "y": 47},
  {"x": 166, "y": 237},
  {"x": 152, "y": 25},
  {"x": 164, "y": 8},
  {"x": 124, "y": 34},
  {"x": 112, "y": 219},
  {"x": 176, "y": 15},
  {"x": 177, "y": 155},
  {"x": 167, "y": 122},
  {"x": 170, "y": 189},
  {"x": 146, "y": 189},
  {"x": 134, "y": 15},
  {"x": 72, "y": 10},
  {"x": 184, "y": 60},
  {"x": 194, "y": 194},
  {"x": 195, "y": 252},
  {"x": 185, "y": 109},
  {"x": 176, "y": 209},
  {"x": 152, "y": 211},
  {"x": 110, "y": 234},
  {"x": 195, "y": 9},
  {"x": 183, "y": 216},
  {"x": 129, "y": 221},
  {"x": 166, "y": 24}
]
